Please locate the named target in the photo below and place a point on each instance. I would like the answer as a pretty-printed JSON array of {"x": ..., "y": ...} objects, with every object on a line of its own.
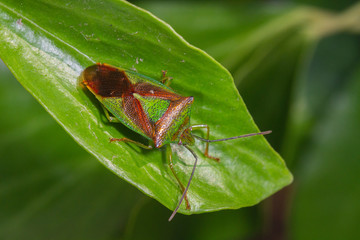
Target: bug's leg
[
  {"x": 206, "y": 153},
  {"x": 131, "y": 141},
  {"x": 171, "y": 165},
  {"x": 165, "y": 79},
  {"x": 110, "y": 118},
  {"x": 115, "y": 120}
]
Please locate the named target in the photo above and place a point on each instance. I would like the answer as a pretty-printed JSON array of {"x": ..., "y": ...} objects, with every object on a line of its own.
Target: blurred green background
[{"x": 295, "y": 63}]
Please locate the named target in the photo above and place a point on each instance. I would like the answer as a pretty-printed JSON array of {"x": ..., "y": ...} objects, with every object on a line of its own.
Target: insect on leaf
[{"x": 48, "y": 55}]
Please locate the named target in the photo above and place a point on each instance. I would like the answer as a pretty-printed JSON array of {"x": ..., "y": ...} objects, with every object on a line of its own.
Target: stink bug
[{"x": 150, "y": 108}]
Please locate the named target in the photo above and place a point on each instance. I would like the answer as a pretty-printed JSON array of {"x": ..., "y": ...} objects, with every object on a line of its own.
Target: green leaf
[{"x": 47, "y": 55}]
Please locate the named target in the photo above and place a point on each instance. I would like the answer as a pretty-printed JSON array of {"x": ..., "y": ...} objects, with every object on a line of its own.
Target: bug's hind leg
[
  {"x": 206, "y": 153},
  {"x": 131, "y": 141},
  {"x": 109, "y": 117},
  {"x": 171, "y": 165},
  {"x": 165, "y": 79},
  {"x": 115, "y": 120}
]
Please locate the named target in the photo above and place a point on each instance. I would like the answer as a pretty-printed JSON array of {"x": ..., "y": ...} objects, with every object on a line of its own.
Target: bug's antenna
[
  {"x": 231, "y": 138},
  {"x": 188, "y": 185}
]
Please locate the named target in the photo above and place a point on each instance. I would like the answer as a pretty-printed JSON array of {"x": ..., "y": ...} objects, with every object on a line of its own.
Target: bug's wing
[
  {"x": 113, "y": 89},
  {"x": 168, "y": 111},
  {"x": 155, "y": 100},
  {"x": 129, "y": 113},
  {"x": 146, "y": 89},
  {"x": 143, "y": 104},
  {"x": 153, "y": 107}
]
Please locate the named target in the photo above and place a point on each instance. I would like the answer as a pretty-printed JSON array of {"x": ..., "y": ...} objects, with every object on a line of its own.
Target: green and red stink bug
[{"x": 150, "y": 108}]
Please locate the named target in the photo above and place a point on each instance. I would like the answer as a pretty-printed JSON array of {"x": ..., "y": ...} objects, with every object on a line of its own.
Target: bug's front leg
[
  {"x": 206, "y": 153},
  {"x": 171, "y": 165}
]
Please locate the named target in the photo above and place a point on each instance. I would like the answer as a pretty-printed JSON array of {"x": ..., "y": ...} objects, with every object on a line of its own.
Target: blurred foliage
[
  {"x": 331, "y": 5},
  {"x": 327, "y": 162},
  {"x": 297, "y": 77}
]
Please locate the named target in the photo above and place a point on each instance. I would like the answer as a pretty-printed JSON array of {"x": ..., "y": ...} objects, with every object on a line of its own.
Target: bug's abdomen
[{"x": 106, "y": 81}]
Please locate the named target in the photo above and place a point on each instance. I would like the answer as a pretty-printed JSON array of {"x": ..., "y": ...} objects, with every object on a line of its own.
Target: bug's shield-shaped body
[
  {"x": 146, "y": 106},
  {"x": 151, "y": 109}
]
